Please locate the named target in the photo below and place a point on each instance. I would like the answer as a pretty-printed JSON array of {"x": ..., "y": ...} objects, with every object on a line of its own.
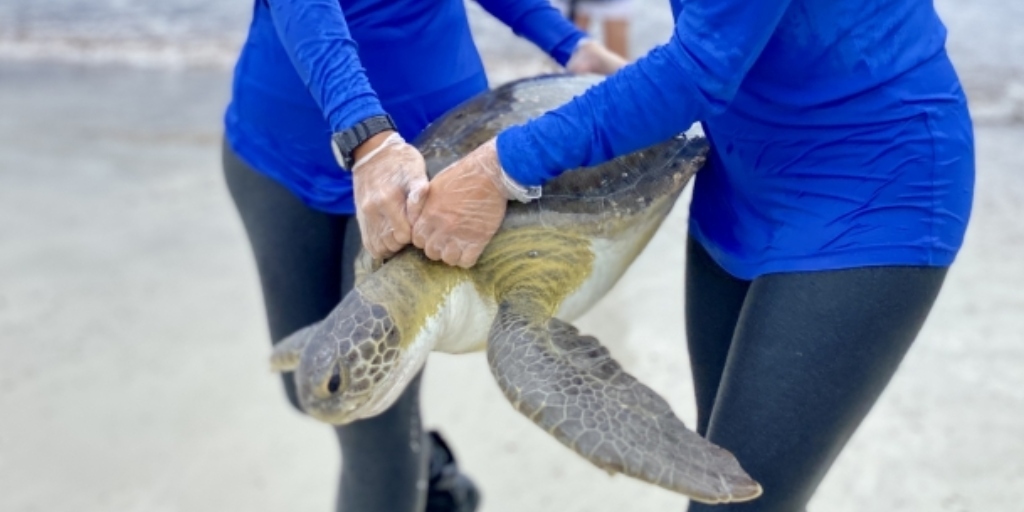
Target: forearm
[
  {"x": 640, "y": 105},
  {"x": 540, "y": 23},
  {"x": 317, "y": 39},
  {"x": 693, "y": 76}
]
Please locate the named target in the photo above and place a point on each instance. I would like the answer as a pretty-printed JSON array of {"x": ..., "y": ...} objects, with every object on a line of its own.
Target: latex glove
[
  {"x": 466, "y": 207},
  {"x": 391, "y": 186},
  {"x": 591, "y": 56}
]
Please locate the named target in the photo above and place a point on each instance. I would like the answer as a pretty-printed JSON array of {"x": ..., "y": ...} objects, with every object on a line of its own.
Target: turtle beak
[{"x": 338, "y": 410}]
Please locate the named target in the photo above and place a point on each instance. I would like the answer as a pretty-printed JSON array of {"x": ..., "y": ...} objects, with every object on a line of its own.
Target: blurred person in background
[
  {"x": 325, "y": 96},
  {"x": 836, "y": 196},
  {"x": 613, "y": 15}
]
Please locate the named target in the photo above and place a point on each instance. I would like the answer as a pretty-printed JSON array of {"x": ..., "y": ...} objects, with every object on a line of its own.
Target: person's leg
[
  {"x": 811, "y": 354},
  {"x": 616, "y": 35},
  {"x": 582, "y": 21},
  {"x": 384, "y": 458},
  {"x": 304, "y": 259},
  {"x": 614, "y": 16},
  {"x": 566, "y": 7},
  {"x": 369, "y": 472},
  {"x": 297, "y": 250},
  {"x": 713, "y": 299}
]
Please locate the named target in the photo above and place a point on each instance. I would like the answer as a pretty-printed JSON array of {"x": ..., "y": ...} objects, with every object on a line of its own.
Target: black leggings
[
  {"x": 786, "y": 366},
  {"x": 304, "y": 258}
]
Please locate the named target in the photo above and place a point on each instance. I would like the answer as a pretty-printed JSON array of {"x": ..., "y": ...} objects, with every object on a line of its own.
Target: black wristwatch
[{"x": 345, "y": 142}]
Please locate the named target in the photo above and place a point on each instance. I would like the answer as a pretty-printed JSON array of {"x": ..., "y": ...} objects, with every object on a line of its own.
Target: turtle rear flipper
[{"x": 569, "y": 385}]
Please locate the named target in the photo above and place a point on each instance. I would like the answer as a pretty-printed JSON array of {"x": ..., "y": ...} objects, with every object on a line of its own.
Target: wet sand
[{"x": 135, "y": 374}]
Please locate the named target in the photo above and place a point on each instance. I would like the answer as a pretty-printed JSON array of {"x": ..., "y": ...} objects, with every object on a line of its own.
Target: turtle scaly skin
[{"x": 550, "y": 261}]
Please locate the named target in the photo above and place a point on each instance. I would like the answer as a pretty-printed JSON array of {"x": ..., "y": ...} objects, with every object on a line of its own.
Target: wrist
[
  {"x": 567, "y": 48},
  {"x": 518, "y": 191},
  {"x": 345, "y": 142},
  {"x": 391, "y": 139},
  {"x": 512, "y": 187},
  {"x": 581, "y": 43},
  {"x": 371, "y": 144}
]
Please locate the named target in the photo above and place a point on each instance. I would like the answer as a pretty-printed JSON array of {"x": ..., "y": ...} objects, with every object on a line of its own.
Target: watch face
[{"x": 338, "y": 156}]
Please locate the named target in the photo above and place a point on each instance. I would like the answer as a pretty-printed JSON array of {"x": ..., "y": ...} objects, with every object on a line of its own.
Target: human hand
[
  {"x": 390, "y": 186},
  {"x": 466, "y": 206},
  {"x": 591, "y": 56}
]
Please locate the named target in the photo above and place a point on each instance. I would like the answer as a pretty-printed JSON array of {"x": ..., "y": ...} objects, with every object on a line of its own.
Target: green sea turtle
[{"x": 550, "y": 261}]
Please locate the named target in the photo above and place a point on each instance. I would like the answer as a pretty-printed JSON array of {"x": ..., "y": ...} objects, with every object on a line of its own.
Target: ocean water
[
  {"x": 159, "y": 33},
  {"x": 985, "y": 41}
]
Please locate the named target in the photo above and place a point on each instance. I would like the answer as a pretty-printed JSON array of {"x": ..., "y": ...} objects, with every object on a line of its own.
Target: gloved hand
[
  {"x": 591, "y": 56},
  {"x": 390, "y": 183},
  {"x": 466, "y": 206}
]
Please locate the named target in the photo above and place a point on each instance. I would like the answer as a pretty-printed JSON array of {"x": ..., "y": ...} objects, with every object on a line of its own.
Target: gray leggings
[
  {"x": 786, "y": 366},
  {"x": 304, "y": 259}
]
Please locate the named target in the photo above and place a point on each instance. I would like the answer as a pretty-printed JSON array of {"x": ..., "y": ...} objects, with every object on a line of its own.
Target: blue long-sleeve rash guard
[
  {"x": 839, "y": 129},
  {"x": 312, "y": 67}
]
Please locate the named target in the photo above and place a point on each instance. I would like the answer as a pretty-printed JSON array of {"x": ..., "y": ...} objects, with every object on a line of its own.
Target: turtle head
[{"x": 349, "y": 366}]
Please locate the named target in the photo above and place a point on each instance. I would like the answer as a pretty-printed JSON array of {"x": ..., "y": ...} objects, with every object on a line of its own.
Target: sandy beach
[{"x": 134, "y": 374}]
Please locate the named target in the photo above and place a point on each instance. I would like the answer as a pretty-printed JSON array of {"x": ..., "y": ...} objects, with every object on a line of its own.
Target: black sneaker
[{"x": 448, "y": 490}]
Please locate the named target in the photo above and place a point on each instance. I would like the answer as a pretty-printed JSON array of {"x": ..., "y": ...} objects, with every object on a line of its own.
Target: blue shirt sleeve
[
  {"x": 540, "y": 23},
  {"x": 692, "y": 77},
  {"x": 318, "y": 41}
]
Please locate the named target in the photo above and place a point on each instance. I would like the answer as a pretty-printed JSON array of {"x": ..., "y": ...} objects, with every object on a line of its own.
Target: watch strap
[{"x": 345, "y": 142}]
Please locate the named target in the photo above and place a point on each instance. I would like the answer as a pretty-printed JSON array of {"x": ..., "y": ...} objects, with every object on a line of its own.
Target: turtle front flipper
[
  {"x": 569, "y": 385},
  {"x": 287, "y": 352}
]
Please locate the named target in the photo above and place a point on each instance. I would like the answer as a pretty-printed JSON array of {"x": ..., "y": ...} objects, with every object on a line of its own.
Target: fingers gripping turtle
[
  {"x": 466, "y": 208},
  {"x": 569, "y": 385},
  {"x": 389, "y": 184}
]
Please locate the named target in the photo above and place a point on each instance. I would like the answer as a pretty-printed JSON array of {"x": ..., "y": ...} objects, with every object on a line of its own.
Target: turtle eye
[{"x": 335, "y": 382}]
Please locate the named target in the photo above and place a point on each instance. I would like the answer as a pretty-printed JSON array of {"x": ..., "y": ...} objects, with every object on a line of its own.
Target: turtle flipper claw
[{"x": 569, "y": 385}]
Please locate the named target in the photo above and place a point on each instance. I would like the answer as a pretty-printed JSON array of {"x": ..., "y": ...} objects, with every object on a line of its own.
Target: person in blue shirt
[
  {"x": 836, "y": 196},
  {"x": 367, "y": 75}
]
